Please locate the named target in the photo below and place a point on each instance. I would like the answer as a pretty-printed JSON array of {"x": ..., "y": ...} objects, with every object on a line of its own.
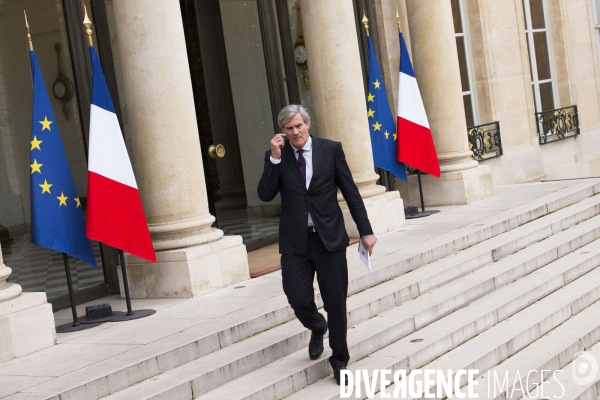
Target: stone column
[
  {"x": 168, "y": 162},
  {"x": 26, "y": 320},
  {"x": 336, "y": 82},
  {"x": 435, "y": 62}
]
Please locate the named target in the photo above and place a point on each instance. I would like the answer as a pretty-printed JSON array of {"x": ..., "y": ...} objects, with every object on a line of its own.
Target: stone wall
[{"x": 502, "y": 80}]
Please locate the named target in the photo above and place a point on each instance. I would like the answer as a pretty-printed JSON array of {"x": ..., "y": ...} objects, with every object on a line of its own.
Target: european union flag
[
  {"x": 56, "y": 216},
  {"x": 381, "y": 122}
]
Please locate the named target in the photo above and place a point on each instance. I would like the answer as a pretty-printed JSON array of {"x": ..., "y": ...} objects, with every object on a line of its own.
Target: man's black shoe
[
  {"x": 337, "y": 373},
  {"x": 315, "y": 346}
]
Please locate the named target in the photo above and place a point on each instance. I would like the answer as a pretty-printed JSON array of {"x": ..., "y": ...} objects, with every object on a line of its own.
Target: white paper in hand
[{"x": 364, "y": 256}]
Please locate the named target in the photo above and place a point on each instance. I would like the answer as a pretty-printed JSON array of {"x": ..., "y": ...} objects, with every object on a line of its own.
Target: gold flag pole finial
[
  {"x": 398, "y": 20},
  {"x": 88, "y": 24},
  {"x": 28, "y": 34},
  {"x": 365, "y": 22}
]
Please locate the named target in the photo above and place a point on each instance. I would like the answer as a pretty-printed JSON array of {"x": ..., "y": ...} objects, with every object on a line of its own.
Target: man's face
[{"x": 296, "y": 131}]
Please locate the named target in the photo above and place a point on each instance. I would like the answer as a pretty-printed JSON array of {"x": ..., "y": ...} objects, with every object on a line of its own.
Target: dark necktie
[{"x": 302, "y": 165}]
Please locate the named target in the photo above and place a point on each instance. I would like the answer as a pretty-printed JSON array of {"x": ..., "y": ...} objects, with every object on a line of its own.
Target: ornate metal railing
[
  {"x": 557, "y": 124},
  {"x": 485, "y": 141}
]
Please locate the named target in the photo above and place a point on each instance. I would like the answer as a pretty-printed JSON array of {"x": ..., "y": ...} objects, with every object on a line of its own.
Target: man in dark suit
[{"x": 307, "y": 171}]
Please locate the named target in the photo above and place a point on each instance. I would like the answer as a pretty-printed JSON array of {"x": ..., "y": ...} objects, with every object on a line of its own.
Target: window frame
[
  {"x": 469, "y": 61},
  {"x": 535, "y": 82}
]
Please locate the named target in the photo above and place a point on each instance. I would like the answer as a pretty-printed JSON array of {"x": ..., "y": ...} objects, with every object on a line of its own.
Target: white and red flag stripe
[
  {"x": 115, "y": 215},
  {"x": 415, "y": 144}
]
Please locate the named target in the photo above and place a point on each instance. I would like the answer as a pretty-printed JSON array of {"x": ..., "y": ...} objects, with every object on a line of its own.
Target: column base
[
  {"x": 26, "y": 325},
  {"x": 452, "y": 188},
  {"x": 386, "y": 213},
  {"x": 187, "y": 272}
]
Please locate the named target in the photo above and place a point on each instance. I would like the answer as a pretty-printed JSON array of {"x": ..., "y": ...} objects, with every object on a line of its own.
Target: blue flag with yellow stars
[
  {"x": 381, "y": 122},
  {"x": 56, "y": 217}
]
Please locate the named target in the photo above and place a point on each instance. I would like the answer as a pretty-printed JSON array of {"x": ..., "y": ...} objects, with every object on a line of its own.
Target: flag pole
[
  {"x": 125, "y": 284},
  {"x": 421, "y": 191},
  {"x": 28, "y": 34},
  {"x": 130, "y": 314},
  {"x": 88, "y": 26},
  {"x": 75, "y": 325},
  {"x": 70, "y": 287},
  {"x": 423, "y": 213},
  {"x": 413, "y": 212}
]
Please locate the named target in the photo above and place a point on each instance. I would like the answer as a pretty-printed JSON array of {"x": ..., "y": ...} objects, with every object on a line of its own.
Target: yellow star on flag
[
  {"x": 35, "y": 143},
  {"x": 46, "y": 124},
  {"x": 370, "y": 113},
  {"x": 377, "y": 126},
  {"x": 370, "y": 97},
  {"x": 77, "y": 201},
  {"x": 387, "y": 134},
  {"x": 376, "y": 84},
  {"x": 63, "y": 199},
  {"x": 45, "y": 187},
  {"x": 35, "y": 167},
  {"x": 395, "y": 136}
]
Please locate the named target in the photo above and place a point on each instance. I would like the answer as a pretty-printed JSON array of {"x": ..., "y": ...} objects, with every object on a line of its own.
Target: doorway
[{"x": 237, "y": 77}]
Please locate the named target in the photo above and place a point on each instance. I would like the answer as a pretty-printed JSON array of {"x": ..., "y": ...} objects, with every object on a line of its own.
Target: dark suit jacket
[{"x": 330, "y": 171}]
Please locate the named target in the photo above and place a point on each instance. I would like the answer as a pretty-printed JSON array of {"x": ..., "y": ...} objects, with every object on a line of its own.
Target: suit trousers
[{"x": 331, "y": 267}]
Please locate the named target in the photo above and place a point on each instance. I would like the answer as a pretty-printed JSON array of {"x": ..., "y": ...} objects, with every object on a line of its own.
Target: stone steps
[
  {"x": 508, "y": 340},
  {"x": 490, "y": 328},
  {"x": 224, "y": 365},
  {"x": 563, "y": 385},
  {"x": 551, "y": 352},
  {"x": 388, "y": 265},
  {"x": 243, "y": 328},
  {"x": 446, "y": 299}
]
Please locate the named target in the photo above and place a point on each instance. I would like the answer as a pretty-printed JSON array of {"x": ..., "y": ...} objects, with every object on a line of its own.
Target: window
[
  {"x": 464, "y": 62},
  {"x": 540, "y": 55}
]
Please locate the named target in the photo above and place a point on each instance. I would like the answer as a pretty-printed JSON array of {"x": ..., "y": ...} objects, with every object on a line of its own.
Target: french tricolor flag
[
  {"x": 114, "y": 209},
  {"x": 415, "y": 145}
]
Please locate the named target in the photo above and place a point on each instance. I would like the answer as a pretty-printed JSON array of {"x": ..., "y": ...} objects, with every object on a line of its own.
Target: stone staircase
[
  {"x": 467, "y": 299},
  {"x": 566, "y": 388},
  {"x": 516, "y": 290}
]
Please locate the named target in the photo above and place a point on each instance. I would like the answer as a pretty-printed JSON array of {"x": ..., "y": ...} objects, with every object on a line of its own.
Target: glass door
[{"x": 237, "y": 81}]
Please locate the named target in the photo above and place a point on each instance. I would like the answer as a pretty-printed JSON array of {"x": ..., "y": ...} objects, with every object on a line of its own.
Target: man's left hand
[{"x": 368, "y": 242}]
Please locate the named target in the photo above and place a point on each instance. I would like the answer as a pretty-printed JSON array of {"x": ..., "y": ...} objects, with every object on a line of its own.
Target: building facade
[
  {"x": 511, "y": 89},
  {"x": 531, "y": 67}
]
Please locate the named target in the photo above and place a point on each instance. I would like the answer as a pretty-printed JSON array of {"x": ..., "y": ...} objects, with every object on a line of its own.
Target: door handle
[{"x": 216, "y": 151}]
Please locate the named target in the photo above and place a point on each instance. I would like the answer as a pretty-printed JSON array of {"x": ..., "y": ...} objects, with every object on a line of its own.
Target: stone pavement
[{"x": 195, "y": 347}]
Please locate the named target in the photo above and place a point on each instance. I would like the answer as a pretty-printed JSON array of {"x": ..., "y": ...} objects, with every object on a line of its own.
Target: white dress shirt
[{"x": 309, "y": 169}]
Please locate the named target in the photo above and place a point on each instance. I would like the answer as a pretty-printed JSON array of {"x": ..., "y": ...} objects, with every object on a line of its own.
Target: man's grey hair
[{"x": 288, "y": 113}]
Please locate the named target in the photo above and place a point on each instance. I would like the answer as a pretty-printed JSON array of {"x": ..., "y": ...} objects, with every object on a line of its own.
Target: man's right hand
[{"x": 277, "y": 144}]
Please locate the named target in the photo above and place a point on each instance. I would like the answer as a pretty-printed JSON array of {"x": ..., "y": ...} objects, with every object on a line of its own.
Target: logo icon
[{"x": 585, "y": 368}]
